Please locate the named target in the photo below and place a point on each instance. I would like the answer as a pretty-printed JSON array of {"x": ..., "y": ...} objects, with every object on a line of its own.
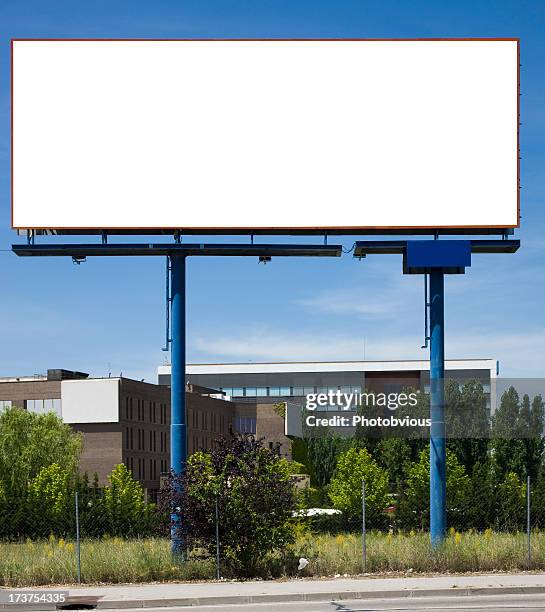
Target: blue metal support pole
[
  {"x": 178, "y": 440},
  {"x": 438, "y": 459}
]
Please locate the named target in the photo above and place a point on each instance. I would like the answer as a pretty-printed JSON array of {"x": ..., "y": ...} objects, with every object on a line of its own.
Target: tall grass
[
  {"x": 115, "y": 560},
  {"x": 461, "y": 552},
  {"x": 111, "y": 560}
]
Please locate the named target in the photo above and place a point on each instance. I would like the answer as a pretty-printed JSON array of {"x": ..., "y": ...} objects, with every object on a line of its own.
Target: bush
[{"x": 256, "y": 500}]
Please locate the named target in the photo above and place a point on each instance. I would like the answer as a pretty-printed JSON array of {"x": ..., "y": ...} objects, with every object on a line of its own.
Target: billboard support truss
[
  {"x": 176, "y": 254},
  {"x": 434, "y": 259}
]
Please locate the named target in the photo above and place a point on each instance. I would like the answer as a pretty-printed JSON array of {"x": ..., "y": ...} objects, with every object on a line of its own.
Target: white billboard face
[{"x": 265, "y": 134}]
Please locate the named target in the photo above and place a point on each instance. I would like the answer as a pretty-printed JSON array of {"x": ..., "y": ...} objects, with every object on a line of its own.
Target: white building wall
[{"x": 90, "y": 401}]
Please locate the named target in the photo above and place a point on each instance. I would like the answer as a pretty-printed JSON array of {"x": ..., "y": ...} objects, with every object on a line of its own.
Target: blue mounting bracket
[{"x": 425, "y": 256}]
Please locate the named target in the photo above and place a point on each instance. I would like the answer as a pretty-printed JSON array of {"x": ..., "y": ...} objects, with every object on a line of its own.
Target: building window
[
  {"x": 274, "y": 391},
  {"x": 245, "y": 424},
  {"x": 5, "y": 404},
  {"x": 127, "y": 408},
  {"x": 250, "y": 391},
  {"x": 261, "y": 391},
  {"x": 238, "y": 392},
  {"x": 41, "y": 406}
]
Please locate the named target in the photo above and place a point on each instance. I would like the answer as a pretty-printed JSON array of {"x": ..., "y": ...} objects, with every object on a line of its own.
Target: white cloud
[
  {"x": 520, "y": 354},
  {"x": 374, "y": 298}
]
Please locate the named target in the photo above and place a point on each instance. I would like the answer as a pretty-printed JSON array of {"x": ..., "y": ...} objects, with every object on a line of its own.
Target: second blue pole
[
  {"x": 178, "y": 436},
  {"x": 438, "y": 458}
]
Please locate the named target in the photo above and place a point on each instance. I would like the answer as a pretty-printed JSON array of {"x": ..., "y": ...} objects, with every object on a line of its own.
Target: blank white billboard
[{"x": 265, "y": 134}]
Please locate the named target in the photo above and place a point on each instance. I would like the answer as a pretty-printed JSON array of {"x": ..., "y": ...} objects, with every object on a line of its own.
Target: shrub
[{"x": 256, "y": 500}]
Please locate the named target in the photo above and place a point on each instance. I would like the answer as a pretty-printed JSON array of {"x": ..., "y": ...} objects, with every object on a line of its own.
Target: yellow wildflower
[
  {"x": 61, "y": 543},
  {"x": 457, "y": 537}
]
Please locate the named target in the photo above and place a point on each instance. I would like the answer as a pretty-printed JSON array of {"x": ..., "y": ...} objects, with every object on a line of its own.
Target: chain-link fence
[{"x": 87, "y": 540}]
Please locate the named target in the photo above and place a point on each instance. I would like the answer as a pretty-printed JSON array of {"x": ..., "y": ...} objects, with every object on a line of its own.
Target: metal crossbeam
[
  {"x": 398, "y": 247},
  {"x": 188, "y": 250}
]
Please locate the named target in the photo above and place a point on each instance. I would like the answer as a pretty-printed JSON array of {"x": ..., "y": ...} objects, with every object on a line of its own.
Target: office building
[
  {"x": 123, "y": 420},
  {"x": 262, "y": 383}
]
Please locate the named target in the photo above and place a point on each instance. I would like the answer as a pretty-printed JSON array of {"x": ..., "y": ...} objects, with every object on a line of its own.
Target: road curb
[
  {"x": 126, "y": 604},
  {"x": 322, "y": 596}
]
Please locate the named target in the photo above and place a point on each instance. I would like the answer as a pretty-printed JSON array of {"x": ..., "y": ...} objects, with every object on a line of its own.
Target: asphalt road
[{"x": 502, "y": 603}]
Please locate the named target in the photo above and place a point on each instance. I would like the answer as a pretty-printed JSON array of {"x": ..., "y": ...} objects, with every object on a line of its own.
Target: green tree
[
  {"x": 394, "y": 455},
  {"x": 50, "y": 499},
  {"x": 323, "y": 452},
  {"x": 517, "y": 435},
  {"x": 467, "y": 422},
  {"x": 510, "y": 506},
  {"x": 532, "y": 421},
  {"x": 480, "y": 508},
  {"x": 125, "y": 511},
  {"x": 415, "y": 504},
  {"x": 30, "y": 442},
  {"x": 353, "y": 467}
]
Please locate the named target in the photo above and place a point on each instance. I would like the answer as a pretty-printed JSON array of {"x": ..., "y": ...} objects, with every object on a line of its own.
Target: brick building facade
[{"x": 128, "y": 421}]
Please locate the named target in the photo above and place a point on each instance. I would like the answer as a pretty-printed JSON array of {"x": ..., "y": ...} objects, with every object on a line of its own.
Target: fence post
[
  {"x": 363, "y": 530},
  {"x": 78, "y": 548},
  {"x": 217, "y": 540},
  {"x": 528, "y": 521}
]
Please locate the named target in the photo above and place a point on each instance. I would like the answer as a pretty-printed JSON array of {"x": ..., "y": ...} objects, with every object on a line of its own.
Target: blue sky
[{"x": 108, "y": 315}]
